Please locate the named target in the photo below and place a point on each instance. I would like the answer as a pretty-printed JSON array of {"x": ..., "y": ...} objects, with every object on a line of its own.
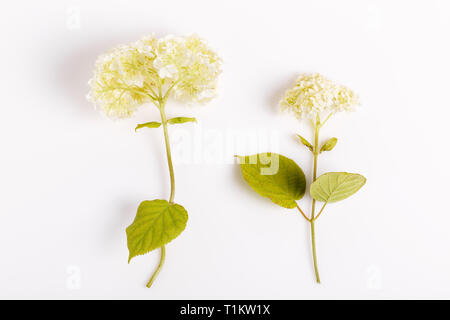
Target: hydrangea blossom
[
  {"x": 314, "y": 95},
  {"x": 131, "y": 75}
]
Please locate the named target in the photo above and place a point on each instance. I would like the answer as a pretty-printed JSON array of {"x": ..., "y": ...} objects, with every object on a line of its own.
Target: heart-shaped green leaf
[
  {"x": 153, "y": 124},
  {"x": 275, "y": 177},
  {"x": 157, "y": 222},
  {"x": 179, "y": 120},
  {"x": 336, "y": 186},
  {"x": 329, "y": 145}
]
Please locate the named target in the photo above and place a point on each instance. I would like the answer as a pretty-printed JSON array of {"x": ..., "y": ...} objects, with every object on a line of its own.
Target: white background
[{"x": 71, "y": 179}]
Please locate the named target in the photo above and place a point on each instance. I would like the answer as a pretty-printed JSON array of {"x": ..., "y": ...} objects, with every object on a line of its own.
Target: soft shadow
[
  {"x": 70, "y": 76},
  {"x": 116, "y": 226},
  {"x": 73, "y": 71},
  {"x": 125, "y": 208},
  {"x": 275, "y": 96}
]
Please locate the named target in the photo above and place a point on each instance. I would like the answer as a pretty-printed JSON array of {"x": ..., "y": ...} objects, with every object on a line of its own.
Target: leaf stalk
[{"x": 158, "y": 270}]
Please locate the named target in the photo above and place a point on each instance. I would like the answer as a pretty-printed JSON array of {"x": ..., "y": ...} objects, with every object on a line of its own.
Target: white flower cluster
[
  {"x": 131, "y": 75},
  {"x": 190, "y": 62},
  {"x": 314, "y": 95}
]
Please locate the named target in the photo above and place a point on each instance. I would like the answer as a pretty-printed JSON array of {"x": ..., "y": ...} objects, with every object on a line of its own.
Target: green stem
[
  {"x": 313, "y": 209},
  {"x": 303, "y": 214},
  {"x": 169, "y": 154},
  {"x": 158, "y": 270},
  {"x": 162, "y": 104},
  {"x": 320, "y": 212}
]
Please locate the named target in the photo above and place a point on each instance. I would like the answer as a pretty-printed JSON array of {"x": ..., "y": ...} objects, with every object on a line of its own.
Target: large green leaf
[
  {"x": 153, "y": 124},
  {"x": 157, "y": 222},
  {"x": 336, "y": 186},
  {"x": 179, "y": 120},
  {"x": 275, "y": 177}
]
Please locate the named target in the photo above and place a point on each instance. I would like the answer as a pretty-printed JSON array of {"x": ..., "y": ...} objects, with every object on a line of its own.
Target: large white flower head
[
  {"x": 131, "y": 75},
  {"x": 314, "y": 95}
]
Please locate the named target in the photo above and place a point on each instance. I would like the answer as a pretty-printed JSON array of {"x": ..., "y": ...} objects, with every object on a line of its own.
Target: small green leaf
[
  {"x": 275, "y": 177},
  {"x": 306, "y": 143},
  {"x": 153, "y": 124},
  {"x": 336, "y": 186},
  {"x": 329, "y": 145},
  {"x": 157, "y": 222},
  {"x": 179, "y": 120}
]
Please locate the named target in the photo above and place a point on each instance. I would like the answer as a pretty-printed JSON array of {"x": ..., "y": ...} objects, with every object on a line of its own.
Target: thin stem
[
  {"x": 313, "y": 234},
  {"x": 168, "y": 90},
  {"x": 169, "y": 154},
  {"x": 326, "y": 119},
  {"x": 313, "y": 241},
  {"x": 158, "y": 270},
  {"x": 161, "y": 103},
  {"x": 320, "y": 212},
  {"x": 303, "y": 214}
]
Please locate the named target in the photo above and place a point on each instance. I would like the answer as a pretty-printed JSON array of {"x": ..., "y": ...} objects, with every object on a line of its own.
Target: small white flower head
[
  {"x": 314, "y": 95},
  {"x": 131, "y": 75}
]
